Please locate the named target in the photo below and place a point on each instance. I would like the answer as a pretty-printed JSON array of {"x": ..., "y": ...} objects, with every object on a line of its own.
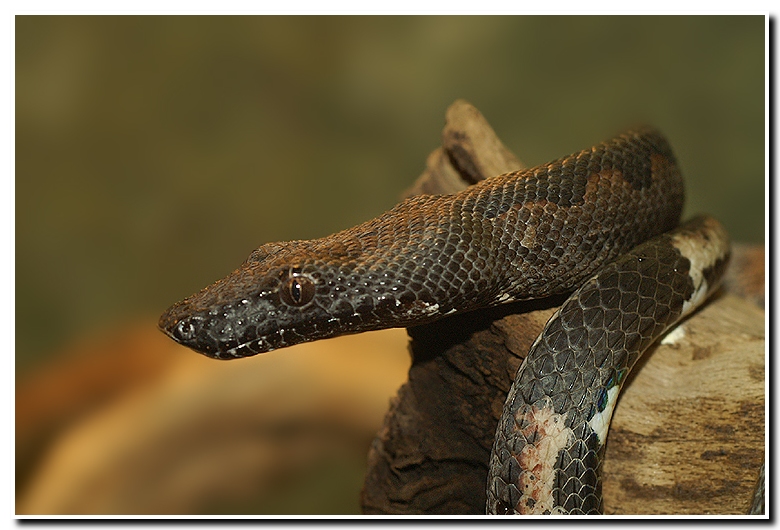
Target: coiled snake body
[{"x": 521, "y": 235}]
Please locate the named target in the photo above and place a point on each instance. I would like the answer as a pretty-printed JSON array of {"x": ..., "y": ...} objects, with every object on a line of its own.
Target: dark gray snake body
[
  {"x": 550, "y": 440},
  {"x": 522, "y": 235}
]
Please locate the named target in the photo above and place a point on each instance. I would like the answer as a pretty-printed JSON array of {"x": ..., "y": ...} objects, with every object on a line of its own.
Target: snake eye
[{"x": 297, "y": 290}]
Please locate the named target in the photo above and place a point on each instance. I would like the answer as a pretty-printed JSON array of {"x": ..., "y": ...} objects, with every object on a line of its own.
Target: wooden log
[{"x": 688, "y": 432}]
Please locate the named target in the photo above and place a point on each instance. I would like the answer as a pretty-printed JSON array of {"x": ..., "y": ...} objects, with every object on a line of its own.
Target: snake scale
[{"x": 602, "y": 220}]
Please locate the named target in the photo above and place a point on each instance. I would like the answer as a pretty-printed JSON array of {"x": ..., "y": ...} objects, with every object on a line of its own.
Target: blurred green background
[{"x": 154, "y": 153}]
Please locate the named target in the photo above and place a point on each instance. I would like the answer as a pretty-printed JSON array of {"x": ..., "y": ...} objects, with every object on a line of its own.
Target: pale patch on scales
[
  {"x": 699, "y": 295},
  {"x": 674, "y": 336},
  {"x": 702, "y": 254},
  {"x": 600, "y": 421},
  {"x": 431, "y": 309},
  {"x": 551, "y": 436},
  {"x": 426, "y": 309}
]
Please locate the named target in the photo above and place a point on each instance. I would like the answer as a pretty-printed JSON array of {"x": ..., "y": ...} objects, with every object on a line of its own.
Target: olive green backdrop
[{"x": 154, "y": 153}]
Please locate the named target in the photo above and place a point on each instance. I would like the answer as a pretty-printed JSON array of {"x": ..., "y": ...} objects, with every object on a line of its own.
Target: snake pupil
[{"x": 297, "y": 290}]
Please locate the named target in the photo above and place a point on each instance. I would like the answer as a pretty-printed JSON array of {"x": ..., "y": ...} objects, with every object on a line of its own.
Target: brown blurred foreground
[{"x": 132, "y": 423}]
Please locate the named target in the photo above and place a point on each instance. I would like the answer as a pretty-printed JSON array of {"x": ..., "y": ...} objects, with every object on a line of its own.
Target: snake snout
[
  {"x": 186, "y": 329},
  {"x": 205, "y": 333}
]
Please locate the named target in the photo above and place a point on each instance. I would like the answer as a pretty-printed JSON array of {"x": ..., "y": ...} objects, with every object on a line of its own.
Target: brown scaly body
[{"x": 522, "y": 235}]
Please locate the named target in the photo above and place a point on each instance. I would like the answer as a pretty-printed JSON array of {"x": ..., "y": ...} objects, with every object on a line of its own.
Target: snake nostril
[{"x": 185, "y": 330}]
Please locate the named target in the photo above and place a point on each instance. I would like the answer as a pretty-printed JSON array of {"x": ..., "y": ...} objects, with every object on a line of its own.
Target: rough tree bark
[{"x": 687, "y": 435}]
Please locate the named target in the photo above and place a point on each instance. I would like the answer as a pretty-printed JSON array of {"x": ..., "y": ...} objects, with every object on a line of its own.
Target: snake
[{"x": 603, "y": 223}]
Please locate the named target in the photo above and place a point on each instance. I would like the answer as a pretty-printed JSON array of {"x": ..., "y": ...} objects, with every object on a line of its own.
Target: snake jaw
[
  {"x": 267, "y": 304},
  {"x": 223, "y": 317},
  {"x": 188, "y": 332}
]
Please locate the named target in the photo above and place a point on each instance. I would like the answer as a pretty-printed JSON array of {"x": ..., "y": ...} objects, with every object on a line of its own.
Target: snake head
[
  {"x": 253, "y": 310},
  {"x": 287, "y": 293}
]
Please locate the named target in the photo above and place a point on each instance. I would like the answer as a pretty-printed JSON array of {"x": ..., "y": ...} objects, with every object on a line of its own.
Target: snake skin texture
[
  {"x": 521, "y": 235},
  {"x": 549, "y": 444}
]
